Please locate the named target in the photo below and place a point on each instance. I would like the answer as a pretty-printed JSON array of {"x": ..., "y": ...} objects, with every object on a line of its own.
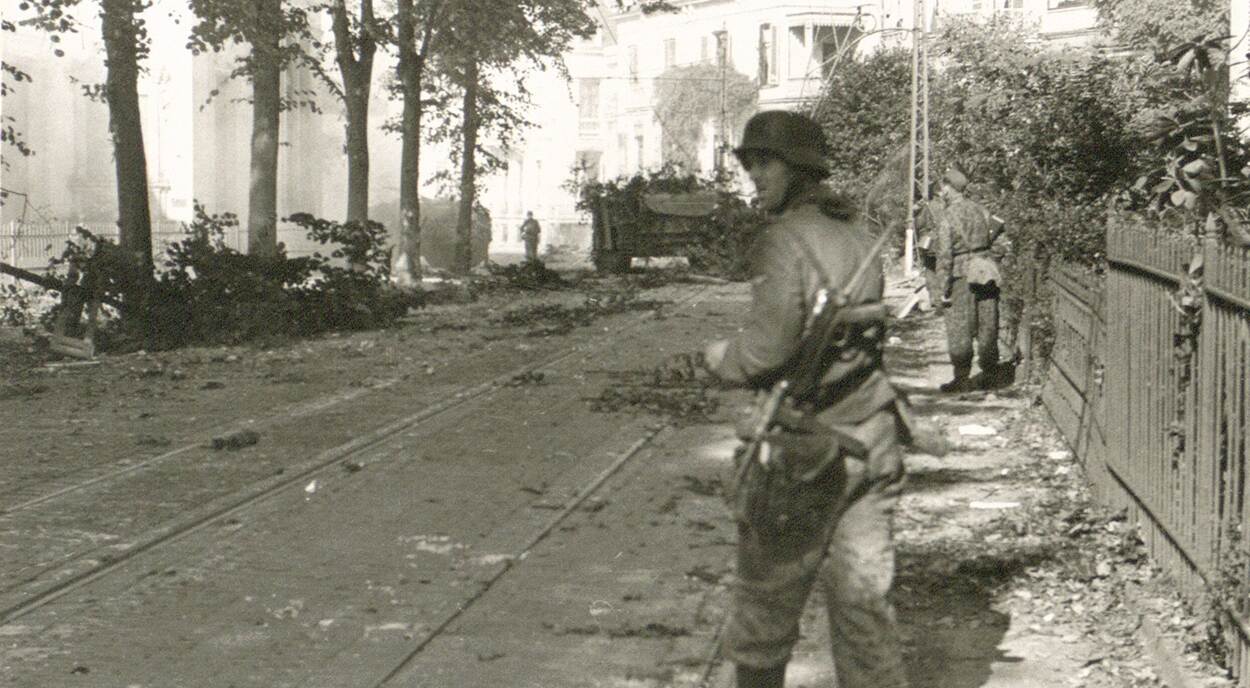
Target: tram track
[
  {"x": 85, "y": 566},
  {"x": 569, "y": 508},
  {"x": 709, "y": 658}
]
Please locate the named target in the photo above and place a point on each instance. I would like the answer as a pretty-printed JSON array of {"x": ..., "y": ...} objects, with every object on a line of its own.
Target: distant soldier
[
  {"x": 827, "y": 515},
  {"x": 530, "y": 231},
  {"x": 926, "y": 229},
  {"x": 968, "y": 274}
]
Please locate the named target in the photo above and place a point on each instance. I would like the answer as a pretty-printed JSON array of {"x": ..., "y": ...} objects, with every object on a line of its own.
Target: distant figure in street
[
  {"x": 967, "y": 273},
  {"x": 530, "y": 230}
]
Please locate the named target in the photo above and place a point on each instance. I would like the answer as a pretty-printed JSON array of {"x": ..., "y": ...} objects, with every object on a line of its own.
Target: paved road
[{"x": 466, "y": 546}]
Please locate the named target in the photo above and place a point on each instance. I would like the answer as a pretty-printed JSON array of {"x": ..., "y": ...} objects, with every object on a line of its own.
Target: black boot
[
  {"x": 772, "y": 677},
  {"x": 959, "y": 384},
  {"x": 962, "y": 381}
]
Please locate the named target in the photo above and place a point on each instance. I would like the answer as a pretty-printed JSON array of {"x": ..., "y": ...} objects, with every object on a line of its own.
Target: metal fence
[
  {"x": 32, "y": 246},
  {"x": 1149, "y": 384}
]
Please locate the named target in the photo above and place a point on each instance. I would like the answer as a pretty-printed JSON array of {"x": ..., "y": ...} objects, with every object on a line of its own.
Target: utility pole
[
  {"x": 918, "y": 158},
  {"x": 722, "y": 55}
]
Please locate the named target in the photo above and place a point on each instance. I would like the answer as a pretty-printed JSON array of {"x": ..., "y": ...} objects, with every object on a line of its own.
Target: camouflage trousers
[
  {"x": 850, "y": 551},
  {"x": 972, "y": 316}
]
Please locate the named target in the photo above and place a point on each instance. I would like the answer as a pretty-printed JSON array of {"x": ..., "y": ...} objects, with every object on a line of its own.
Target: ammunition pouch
[{"x": 799, "y": 472}]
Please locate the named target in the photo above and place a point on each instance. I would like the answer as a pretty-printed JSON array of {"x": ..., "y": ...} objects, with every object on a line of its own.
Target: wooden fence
[{"x": 1148, "y": 383}]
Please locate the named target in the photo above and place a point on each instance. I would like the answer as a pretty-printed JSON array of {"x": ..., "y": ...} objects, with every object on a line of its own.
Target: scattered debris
[
  {"x": 993, "y": 505},
  {"x": 713, "y": 487},
  {"x": 704, "y": 573},
  {"x": 153, "y": 441},
  {"x": 531, "y": 274},
  {"x": 681, "y": 405},
  {"x": 18, "y": 390},
  {"x": 235, "y": 440},
  {"x": 548, "y": 319},
  {"x": 56, "y": 366},
  {"x": 490, "y": 656},
  {"x": 977, "y": 430},
  {"x": 529, "y": 377},
  {"x": 651, "y": 630},
  {"x": 677, "y": 389}
]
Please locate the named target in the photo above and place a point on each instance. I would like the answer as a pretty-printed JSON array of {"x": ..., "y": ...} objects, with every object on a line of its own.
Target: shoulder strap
[{"x": 820, "y": 268}]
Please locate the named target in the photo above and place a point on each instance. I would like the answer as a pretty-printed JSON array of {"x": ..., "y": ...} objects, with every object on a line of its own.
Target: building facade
[
  {"x": 605, "y": 123},
  {"x": 197, "y": 125}
]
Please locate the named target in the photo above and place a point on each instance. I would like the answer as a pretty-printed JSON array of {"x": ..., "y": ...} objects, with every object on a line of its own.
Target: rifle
[{"x": 828, "y": 318}]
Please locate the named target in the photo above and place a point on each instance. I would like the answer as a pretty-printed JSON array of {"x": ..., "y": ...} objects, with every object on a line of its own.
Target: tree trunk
[
  {"x": 409, "y": 70},
  {"x": 357, "y": 74},
  {"x": 121, "y": 37},
  {"x": 262, "y": 207},
  {"x": 468, "y": 172},
  {"x": 358, "y": 154}
]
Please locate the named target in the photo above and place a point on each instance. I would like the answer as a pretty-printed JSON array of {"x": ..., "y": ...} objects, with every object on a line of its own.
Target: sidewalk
[{"x": 1007, "y": 575}]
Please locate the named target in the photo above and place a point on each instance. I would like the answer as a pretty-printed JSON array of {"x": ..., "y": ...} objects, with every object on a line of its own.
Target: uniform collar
[{"x": 828, "y": 201}]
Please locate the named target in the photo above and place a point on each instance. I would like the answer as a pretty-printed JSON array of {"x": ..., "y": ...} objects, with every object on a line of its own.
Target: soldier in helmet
[
  {"x": 530, "y": 231},
  {"x": 967, "y": 272},
  {"x": 837, "y": 528}
]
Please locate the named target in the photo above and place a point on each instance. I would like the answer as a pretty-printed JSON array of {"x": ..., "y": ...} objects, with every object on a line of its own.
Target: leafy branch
[{"x": 1198, "y": 145}]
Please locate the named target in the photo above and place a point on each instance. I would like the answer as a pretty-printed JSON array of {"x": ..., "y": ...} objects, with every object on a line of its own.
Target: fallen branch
[{"x": 52, "y": 283}]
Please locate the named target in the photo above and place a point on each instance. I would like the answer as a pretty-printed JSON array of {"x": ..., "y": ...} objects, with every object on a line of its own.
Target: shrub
[{"x": 207, "y": 293}]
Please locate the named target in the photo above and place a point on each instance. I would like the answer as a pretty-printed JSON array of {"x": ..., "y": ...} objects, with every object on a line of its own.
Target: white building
[
  {"x": 1063, "y": 22},
  {"x": 196, "y": 129}
]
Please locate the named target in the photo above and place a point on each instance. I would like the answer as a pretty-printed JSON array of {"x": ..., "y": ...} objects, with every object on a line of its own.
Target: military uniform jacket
[
  {"x": 963, "y": 242},
  {"x": 814, "y": 227}
]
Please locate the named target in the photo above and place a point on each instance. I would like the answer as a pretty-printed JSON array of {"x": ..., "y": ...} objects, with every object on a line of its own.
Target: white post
[
  {"x": 909, "y": 234},
  {"x": 1239, "y": 48}
]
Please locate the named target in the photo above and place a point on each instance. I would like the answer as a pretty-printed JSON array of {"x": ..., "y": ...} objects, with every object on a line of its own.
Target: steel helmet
[
  {"x": 956, "y": 178},
  {"x": 797, "y": 139}
]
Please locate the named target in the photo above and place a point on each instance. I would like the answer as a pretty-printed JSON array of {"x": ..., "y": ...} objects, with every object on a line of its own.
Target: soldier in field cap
[
  {"x": 833, "y": 524},
  {"x": 967, "y": 272}
]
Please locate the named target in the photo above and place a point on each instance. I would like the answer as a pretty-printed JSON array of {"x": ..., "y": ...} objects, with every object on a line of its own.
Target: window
[
  {"x": 588, "y": 105},
  {"x": 638, "y": 143},
  {"x": 588, "y": 164},
  {"x": 670, "y": 52},
  {"x": 703, "y": 52},
  {"x": 768, "y": 55},
  {"x": 722, "y": 49},
  {"x": 633, "y": 64},
  {"x": 800, "y": 55},
  {"x": 622, "y": 153},
  {"x": 830, "y": 41}
]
